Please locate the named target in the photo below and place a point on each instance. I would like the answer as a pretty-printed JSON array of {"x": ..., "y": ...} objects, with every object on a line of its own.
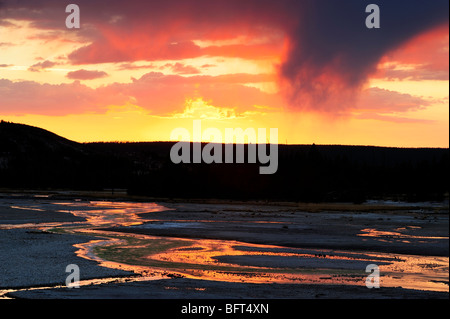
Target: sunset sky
[{"x": 136, "y": 70}]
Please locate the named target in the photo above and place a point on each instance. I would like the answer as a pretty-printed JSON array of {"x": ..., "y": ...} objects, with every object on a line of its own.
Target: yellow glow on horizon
[
  {"x": 199, "y": 109},
  {"x": 132, "y": 124}
]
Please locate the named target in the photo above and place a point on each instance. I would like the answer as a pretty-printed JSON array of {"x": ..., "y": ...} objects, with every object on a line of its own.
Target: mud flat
[
  {"x": 19, "y": 215},
  {"x": 31, "y": 258},
  {"x": 406, "y": 230},
  {"x": 184, "y": 288},
  {"x": 35, "y": 248}
]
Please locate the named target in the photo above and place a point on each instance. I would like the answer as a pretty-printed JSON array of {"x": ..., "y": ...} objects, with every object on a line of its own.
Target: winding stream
[{"x": 153, "y": 257}]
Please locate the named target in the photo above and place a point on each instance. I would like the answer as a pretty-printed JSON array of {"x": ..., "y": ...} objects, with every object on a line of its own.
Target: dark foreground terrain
[{"x": 221, "y": 250}]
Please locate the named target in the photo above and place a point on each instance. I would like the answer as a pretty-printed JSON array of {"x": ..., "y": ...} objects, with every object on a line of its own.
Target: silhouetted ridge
[
  {"x": 25, "y": 138},
  {"x": 31, "y": 157},
  {"x": 34, "y": 158}
]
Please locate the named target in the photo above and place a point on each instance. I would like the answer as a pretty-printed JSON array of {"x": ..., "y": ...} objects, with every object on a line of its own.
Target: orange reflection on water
[
  {"x": 372, "y": 232},
  {"x": 152, "y": 257},
  {"x": 197, "y": 258},
  {"x": 202, "y": 266},
  {"x": 113, "y": 214},
  {"x": 33, "y": 225},
  {"x": 417, "y": 272}
]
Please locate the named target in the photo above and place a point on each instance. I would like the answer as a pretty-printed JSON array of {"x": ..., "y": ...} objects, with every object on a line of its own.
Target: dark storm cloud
[{"x": 332, "y": 53}]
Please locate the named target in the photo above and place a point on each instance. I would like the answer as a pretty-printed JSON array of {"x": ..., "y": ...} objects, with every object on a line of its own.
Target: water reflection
[
  {"x": 111, "y": 214},
  {"x": 201, "y": 259},
  {"x": 152, "y": 257}
]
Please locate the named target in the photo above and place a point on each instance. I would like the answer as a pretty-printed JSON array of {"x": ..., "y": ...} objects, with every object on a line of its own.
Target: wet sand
[
  {"x": 32, "y": 258},
  {"x": 183, "y": 288},
  {"x": 36, "y": 258}
]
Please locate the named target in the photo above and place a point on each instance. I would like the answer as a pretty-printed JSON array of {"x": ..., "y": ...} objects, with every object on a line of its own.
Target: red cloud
[
  {"x": 28, "y": 97},
  {"x": 130, "y": 66},
  {"x": 86, "y": 75},
  {"x": 385, "y": 101},
  {"x": 165, "y": 94},
  {"x": 427, "y": 53},
  {"x": 180, "y": 68},
  {"x": 428, "y": 48},
  {"x": 394, "y": 119},
  {"x": 119, "y": 48},
  {"x": 42, "y": 66},
  {"x": 158, "y": 93},
  {"x": 126, "y": 50}
]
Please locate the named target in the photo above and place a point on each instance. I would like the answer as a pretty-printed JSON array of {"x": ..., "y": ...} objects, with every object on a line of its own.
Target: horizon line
[{"x": 204, "y": 142}]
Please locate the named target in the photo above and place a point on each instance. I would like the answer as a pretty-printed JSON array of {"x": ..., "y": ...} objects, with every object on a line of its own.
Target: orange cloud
[
  {"x": 165, "y": 94},
  {"x": 42, "y": 66},
  {"x": 180, "y": 68},
  {"x": 29, "y": 97},
  {"x": 425, "y": 57},
  {"x": 385, "y": 101},
  {"x": 393, "y": 119},
  {"x": 155, "y": 92}
]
